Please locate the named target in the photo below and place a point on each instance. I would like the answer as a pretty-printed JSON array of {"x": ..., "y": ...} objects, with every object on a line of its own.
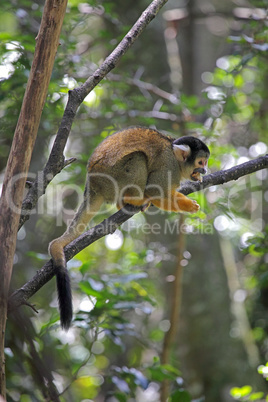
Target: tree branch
[
  {"x": 110, "y": 224},
  {"x": 56, "y": 160},
  {"x": 42, "y": 276},
  {"x": 146, "y": 87},
  {"x": 155, "y": 114},
  {"x": 223, "y": 176}
]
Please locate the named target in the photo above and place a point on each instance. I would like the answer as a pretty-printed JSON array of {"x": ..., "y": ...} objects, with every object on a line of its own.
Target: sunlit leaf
[
  {"x": 235, "y": 392},
  {"x": 256, "y": 396}
]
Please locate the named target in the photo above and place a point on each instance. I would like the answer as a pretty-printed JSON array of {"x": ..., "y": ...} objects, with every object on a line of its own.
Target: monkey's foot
[
  {"x": 176, "y": 202},
  {"x": 185, "y": 204},
  {"x": 194, "y": 207}
]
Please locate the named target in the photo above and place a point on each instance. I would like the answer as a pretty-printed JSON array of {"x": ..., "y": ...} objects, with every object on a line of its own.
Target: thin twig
[{"x": 146, "y": 86}]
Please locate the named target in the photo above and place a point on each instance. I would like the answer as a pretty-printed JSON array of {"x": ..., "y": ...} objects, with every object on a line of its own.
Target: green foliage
[
  {"x": 246, "y": 393},
  {"x": 114, "y": 294},
  {"x": 257, "y": 283},
  {"x": 257, "y": 248},
  {"x": 127, "y": 380}
]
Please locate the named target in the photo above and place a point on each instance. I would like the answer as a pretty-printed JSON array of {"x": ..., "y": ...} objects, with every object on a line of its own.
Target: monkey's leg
[
  {"x": 130, "y": 198},
  {"x": 83, "y": 216},
  {"x": 132, "y": 180},
  {"x": 176, "y": 202}
]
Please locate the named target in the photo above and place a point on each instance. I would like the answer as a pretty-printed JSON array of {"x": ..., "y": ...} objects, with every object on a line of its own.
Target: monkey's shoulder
[{"x": 125, "y": 142}]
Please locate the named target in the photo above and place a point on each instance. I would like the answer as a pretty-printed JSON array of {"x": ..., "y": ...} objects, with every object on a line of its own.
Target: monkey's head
[{"x": 192, "y": 155}]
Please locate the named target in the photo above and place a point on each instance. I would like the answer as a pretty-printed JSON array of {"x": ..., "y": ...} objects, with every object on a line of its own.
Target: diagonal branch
[
  {"x": 223, "y": 176},
  {"x": 42, "y": 276},
  {"x": 56, "y": 160},
  {"x": 110, "y": 224}
]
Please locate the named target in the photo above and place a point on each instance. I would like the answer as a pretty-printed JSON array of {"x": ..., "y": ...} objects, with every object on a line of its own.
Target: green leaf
[
  {"x": 163, "y": 372},
  {"x": 246, "y": 390},
  {"x": 256, "y": 396},
  {"x": 242, "y": 392},
  {"x": 235, "y": 392},
  {"x": 121, "y": 397},
  {"x": 180, "y": 396},
  {"x": 86, "y": 288}
]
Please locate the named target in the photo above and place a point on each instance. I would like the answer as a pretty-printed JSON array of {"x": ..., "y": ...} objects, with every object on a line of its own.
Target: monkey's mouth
[{"x": 196, "y": 175}]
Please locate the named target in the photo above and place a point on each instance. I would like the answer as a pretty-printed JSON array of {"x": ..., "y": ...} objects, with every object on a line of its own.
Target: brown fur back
[{"x": 125, "y": 142}]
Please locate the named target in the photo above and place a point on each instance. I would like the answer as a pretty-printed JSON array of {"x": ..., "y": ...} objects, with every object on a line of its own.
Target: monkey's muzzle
[{"x": 196, "y": 175}]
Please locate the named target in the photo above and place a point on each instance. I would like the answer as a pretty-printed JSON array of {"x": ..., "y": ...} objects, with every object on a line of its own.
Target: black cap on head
[{"x": 197, "y": 147}]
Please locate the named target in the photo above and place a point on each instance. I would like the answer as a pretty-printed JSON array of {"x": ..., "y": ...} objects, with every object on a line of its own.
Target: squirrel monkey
[{"x": 137, "y": 166}]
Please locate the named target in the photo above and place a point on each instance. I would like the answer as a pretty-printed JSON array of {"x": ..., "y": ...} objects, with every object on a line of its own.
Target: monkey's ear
[{"x": 181, "y": 152}]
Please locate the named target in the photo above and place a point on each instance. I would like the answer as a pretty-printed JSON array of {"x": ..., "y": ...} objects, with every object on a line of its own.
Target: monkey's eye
[{"x": 200, "y": 163}]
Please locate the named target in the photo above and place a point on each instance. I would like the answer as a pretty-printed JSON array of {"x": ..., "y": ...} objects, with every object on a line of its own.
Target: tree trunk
[{"x": 47, "y": 42}]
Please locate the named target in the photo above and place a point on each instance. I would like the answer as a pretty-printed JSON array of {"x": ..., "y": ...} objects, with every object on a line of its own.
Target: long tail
[
  {"x": 64, "y": 296},
  {"x": 63, "y": 282},
  {"x": 56, "y": 249}
]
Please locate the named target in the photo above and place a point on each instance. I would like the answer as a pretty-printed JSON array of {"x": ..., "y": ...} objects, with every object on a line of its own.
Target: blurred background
[{"x": 169, "y": 307}]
